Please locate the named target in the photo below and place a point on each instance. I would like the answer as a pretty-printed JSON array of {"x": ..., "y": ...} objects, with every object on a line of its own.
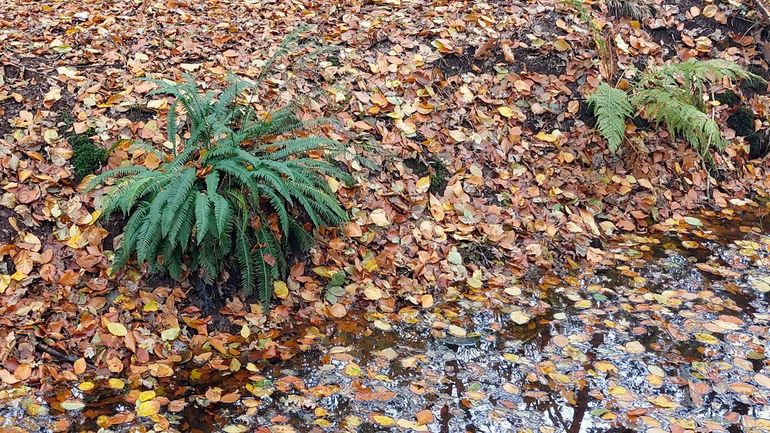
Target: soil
[
  {"x": 527, "y": 60},
  {"x": 457, "y": 64},
  {"x": 439, "y": 174},
  {"x": 6, "y": 231},
  {"x": 551, "y": 63}
]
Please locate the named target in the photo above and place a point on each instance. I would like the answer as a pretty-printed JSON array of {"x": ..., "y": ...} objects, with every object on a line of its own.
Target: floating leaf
[
  {"x": 73, "y": 405},
  {"x": 519, "y": 317}
]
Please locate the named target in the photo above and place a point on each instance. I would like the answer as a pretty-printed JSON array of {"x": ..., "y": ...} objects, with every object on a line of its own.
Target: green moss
[
  {"x": 87, "y": 157},
  {"x": 728, "y": 97}
]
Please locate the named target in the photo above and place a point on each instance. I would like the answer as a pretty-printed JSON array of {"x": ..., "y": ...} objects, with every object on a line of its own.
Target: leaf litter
[{"x": 428, "y": 331}]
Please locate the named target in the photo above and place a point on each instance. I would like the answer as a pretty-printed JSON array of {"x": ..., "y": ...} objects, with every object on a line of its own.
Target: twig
[{"x": 42, "y": 347}]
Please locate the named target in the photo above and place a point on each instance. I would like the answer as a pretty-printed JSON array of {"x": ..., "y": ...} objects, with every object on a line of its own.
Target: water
[{"x": 674, "y": 337}]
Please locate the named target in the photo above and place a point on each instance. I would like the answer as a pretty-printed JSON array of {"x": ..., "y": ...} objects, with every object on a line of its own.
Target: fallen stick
[{"x": 55, "y": 353}]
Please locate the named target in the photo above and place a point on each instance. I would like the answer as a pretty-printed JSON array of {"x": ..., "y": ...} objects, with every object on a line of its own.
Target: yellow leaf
[
  {"x": 583, "y": 303},
  {"x": 710, "y": 11},
  {"x": 169, "y": 334},
  {"x": 323, "y": 271},
  {"x": 148, "y": 408},
  {"x": 559, "y": 377},
  {"x": 280, "y": 289},
  {"x": 150, "y": 306},
  {"x": 73, "y": 405},
  {"x": 706, "y": 338},
  {"x": 146, "y": 395},
  {"x": 117, "y": 329},
  {"x": 457, "y": 331},
  {"x": 634, "y": 347},
  {"x": 617, "y": 390},
  {"x": 761, "y": 284},
  {"x": 423, "y": 184},
  {"x": 245, "y": 331},
  {"x": 443, "y": 45},
  {"x": 352, "y": 370},
  {"x": 86, "y": 386},
  {"x": 663, "y": 401},
  {"x": 115, "y": 383},
  {"x": 505, "y": 111},
  {"x": 458, "y": 135},
  {"x": 561, "y": 45},
  {"x": 235, "y": 365},
  {"x": 383, "y": 420},
  {"x": 5, "y": 281},
  {"x": 605, "y": 366},
  {"x": 547, "y": 137},
  {"x": 338, "y": 310}
]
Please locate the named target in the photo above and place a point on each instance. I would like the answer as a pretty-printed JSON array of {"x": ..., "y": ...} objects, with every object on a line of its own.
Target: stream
[{"x": 674, "y": 338}]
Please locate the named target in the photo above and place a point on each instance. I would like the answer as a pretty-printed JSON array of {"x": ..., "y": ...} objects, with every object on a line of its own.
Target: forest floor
[{"x": 489, "y": 203}]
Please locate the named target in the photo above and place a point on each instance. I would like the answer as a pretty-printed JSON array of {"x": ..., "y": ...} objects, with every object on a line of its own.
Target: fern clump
[
  {"x": 231, "y": 198},
  {"x": 672, "y": 95}
]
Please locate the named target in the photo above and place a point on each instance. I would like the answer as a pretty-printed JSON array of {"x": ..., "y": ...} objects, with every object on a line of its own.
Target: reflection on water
[{"x": 672, "y": 339}]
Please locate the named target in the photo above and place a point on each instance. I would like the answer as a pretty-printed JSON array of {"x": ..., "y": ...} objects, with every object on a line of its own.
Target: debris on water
[{"x": 673, "y": 338}]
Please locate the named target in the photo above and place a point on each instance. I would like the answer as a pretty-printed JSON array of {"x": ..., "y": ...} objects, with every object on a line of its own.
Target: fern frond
[
  {"x": 203, "y": 216},
  {"x": 612, "y": 107},
  {"x": 682, "y": 119},
  {"x": 244, "y": 258}
]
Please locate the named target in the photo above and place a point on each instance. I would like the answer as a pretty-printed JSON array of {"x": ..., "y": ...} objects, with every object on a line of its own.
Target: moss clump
[
  {"x": 742, "y": 122},
  {"x": 439, "y": 174},
  {"x": 728, "y": 97},
  {"x": 759, "y": 144},
  {"x": 87, "y": 157}
]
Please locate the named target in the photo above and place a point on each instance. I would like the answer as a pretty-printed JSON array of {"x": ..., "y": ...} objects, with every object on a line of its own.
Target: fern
[
  {"x": 672, "y": 95},
  {"x": 194, "y": 214},
  {"x": 612, "y": 107},
  {"x": 681, "y": 118}
]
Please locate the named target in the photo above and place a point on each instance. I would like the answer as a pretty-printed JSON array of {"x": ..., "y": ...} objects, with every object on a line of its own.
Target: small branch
[{"x": 42, "y": 347}]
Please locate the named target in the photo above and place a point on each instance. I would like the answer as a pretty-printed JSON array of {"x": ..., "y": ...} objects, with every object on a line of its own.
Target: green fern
[
  {"x": 611, "y": 107},
  {"x": 672, "y": 95},
  {"x": 195, "y": 213}
]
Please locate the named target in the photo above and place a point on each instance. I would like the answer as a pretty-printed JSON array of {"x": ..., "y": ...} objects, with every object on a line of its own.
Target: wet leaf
[
  {"x": 519, "y": 317},
  {"x": 73, "y": 405},
  {"x": 148, "y": 408},
  {"x": 383, "y": 420}
]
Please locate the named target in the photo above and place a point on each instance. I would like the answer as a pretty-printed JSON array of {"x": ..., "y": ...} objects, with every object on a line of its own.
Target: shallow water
[{"x": 673, "y": 339}]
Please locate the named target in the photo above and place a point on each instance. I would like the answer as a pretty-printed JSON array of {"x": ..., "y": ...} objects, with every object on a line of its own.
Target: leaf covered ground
[{"x": 485, "y": 179}]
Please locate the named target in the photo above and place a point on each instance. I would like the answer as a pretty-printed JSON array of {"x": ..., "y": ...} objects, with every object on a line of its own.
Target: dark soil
[
  {"x": 6, "y": 231},
  {"x": 457, "y": 64},
  {"x": 137, "y": 113},
  {"x": 433, "y": 167},
  {"x": 550, "y": 63},
  {"x": 28, "y": 81},
  {"x": 742, "y": 121}
]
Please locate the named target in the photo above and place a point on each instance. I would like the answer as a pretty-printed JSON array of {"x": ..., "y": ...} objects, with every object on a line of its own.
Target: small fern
[
  {"x": 671, "y": 95},
  {"x": 611, "y": 107},
  {"x": 208, "y": 207}
]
